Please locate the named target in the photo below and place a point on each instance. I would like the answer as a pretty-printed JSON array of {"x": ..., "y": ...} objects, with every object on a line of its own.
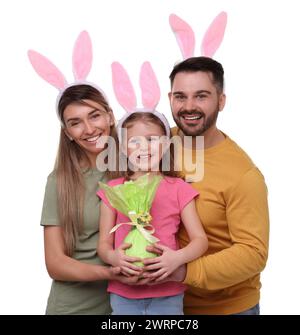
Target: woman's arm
[
  {"x": 105, "y": 246},
  {"x": 65, "y": 268}
]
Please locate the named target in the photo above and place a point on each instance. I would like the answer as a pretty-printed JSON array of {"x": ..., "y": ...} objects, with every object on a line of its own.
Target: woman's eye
[
  {"x": 73, "y": 124},
  {"x": 95, "y": 116}
]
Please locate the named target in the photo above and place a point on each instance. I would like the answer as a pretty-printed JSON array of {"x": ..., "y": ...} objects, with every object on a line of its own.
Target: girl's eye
[
  {"x": 133, "y": 140},
  {"x": 153, "y": 139}
]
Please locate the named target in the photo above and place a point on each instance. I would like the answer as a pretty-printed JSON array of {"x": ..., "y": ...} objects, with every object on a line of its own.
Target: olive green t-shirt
[{"x": 78, "y": 297}]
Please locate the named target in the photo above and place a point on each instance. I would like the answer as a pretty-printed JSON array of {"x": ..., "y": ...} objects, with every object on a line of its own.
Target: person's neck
[
  {"x": 90, "y": 163},
  {"x": 138, "y": 174},
  {"x": 212, "y": 137}
]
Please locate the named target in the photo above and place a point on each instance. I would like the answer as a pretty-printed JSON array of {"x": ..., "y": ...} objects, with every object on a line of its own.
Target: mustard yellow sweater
[{"x": 234, "y": 212}]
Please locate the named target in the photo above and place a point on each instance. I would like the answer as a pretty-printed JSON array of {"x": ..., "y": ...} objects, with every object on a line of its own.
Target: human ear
[
  {"x": 222, "y": 101},
  {"x": 68, "y": 135},
  {"x": 123, "y": 148},
  {"x": 166, "y": 142},
  {"x": 112, "y": 120}
]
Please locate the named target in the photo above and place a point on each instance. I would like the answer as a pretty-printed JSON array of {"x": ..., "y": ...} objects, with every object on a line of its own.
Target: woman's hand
[{"x": 116, "y": 274}]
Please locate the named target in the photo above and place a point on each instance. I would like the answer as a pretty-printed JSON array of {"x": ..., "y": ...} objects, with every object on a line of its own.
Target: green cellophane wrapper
[
  {"x": 138, "y": 248},
  {"x": 134, "y": 199}
]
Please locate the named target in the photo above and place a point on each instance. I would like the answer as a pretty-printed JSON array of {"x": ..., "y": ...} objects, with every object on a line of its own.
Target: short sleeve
[
  {"x": 185, "y": 193},
  {"x": 102, "y": 196},
  {"x": 50, "y": 211}
]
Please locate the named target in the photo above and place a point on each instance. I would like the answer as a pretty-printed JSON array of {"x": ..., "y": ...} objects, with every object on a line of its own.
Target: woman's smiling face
[{"x": 86, "y": 123}]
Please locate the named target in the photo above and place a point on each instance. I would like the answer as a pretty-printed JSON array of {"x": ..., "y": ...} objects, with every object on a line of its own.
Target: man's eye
[
  {"x": 179, "y": 97},
  {"x": 201, "y": 96}
]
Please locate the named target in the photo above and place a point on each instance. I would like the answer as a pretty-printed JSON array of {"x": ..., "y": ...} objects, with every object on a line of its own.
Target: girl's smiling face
[{"x": 145, "y": 146}]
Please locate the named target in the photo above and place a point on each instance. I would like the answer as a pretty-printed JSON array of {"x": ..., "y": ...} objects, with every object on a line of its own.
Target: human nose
[
  {"x": 88, "y": 127},
  {"x": 144, "y": 145},
  {"x": 189, "y": 104}
]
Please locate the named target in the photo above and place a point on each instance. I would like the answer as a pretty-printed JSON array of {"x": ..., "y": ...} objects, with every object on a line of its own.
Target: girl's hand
[
  {"x": 119, "y": 259},
  {"x": 162, "y": 266}
]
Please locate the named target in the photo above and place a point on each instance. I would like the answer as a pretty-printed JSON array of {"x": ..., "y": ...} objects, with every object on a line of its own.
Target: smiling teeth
[
  {"x": 192, "y": 117},
  {"x": 92, "y": 139}
]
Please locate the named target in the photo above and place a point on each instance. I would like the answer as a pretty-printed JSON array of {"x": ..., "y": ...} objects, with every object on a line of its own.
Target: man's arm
[{"x": 248, "y": 224}]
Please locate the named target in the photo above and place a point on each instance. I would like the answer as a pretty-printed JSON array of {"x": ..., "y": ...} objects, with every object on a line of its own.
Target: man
[{"x": 232, "y": 203}]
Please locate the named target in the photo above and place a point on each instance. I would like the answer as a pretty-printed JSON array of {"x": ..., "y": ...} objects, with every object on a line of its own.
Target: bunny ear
[
  {"x": 82, "y": 56},
  {"x": 47, "y": 70},
  {"x": 149, "y": 86},
  {"x": 214, "y": 35},
  {"x": 123, "y": 87},
  {"x": 184, "y": 35}
]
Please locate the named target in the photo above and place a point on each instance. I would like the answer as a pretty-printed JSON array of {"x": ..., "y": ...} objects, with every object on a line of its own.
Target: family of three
[
  {"x": 213, "y": 232},
  {"x": 210, "y": 227}
]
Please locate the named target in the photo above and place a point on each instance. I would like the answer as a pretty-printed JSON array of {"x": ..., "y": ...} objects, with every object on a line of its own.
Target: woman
[{"x": 70, "y": 213}]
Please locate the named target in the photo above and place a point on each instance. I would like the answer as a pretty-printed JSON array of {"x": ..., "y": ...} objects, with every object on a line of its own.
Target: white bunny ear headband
[
  {"x": 82, "y": 63},
  {"x": 127, "y": 99},
  {"x": 186, "y": 38}
]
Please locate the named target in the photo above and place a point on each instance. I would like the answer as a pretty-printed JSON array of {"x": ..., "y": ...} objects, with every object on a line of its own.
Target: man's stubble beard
[{"x": 207, "y": 123}]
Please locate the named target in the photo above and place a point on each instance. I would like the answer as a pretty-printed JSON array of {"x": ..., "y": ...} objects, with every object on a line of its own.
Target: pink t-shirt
[{"x": 172, "y": 195}]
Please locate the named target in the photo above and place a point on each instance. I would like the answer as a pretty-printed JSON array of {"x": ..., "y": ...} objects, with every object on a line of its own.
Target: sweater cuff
[{"x": 189, "y": 275}]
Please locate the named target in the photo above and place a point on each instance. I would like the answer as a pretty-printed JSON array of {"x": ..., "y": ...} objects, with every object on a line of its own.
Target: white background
[{"x": 260, "y": 54}]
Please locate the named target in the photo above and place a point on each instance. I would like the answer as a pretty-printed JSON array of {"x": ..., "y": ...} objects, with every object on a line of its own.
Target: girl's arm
[
  {"x": 198, "y": 239},
  {"x": 64, "y": 268},
  {"x": 170, "y": 260},
  {"x": 105, "y": 247}
]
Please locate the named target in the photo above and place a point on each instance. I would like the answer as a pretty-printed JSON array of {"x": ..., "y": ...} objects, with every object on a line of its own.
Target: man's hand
[{"x": 178, "y": 276}]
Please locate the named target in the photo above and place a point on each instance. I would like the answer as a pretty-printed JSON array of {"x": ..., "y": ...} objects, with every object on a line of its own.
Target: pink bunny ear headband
[
  {"x": 126, "y": 97},
  {"x": 82, "y": 62},
  {"x": 186, "y": 38}
]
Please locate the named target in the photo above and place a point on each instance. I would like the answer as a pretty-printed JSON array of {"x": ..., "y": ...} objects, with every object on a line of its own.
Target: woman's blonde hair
[{"x": 70, "y": 161}]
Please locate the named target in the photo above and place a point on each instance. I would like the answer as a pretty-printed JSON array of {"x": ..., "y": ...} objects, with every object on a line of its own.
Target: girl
[{"x": 173, "y": 203}]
